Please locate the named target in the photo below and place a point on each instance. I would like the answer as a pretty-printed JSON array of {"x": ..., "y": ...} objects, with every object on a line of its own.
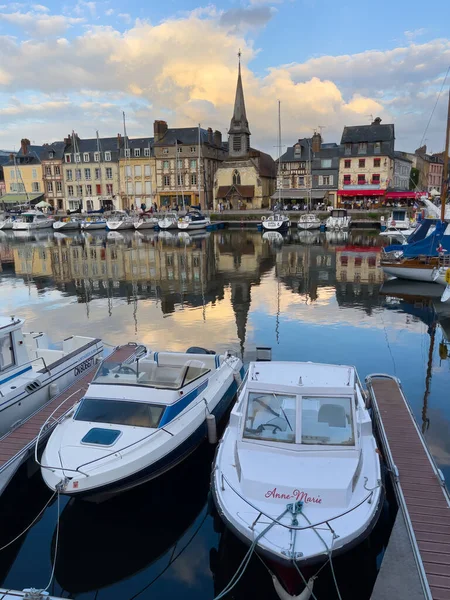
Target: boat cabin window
[
  {"x": 271, "y": 417},
  {"x": 117, "y": 412},
  {"x": 399, "y": 215},
  {"x": 327, "y": 420},
  {"x": 341, "y": 213},
  {"x": 6, "y": 352}
]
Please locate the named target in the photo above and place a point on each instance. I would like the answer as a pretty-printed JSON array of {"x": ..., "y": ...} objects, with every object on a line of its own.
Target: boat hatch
[
  {"x": 119, "y": 412},
  {"x": 149, "y": 373},
  {"x": 323, "y": 420},
  {"x": 100, "y": 436}
]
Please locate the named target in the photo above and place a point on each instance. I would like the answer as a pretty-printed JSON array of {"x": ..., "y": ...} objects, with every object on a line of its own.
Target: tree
[{"x": 414, "y": 178}]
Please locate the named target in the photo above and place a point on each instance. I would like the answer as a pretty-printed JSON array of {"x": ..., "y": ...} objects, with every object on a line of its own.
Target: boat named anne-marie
[
  {"x": 138, "y": 420},
  {"x": 168, "y": 220},
  {"x": 31, "y": 220},
  {"x": 297, "y": 473},
  {"x": 193, "y": 220},
  {"x": 338, "y": 219},
  {"x": 32, "y": 371},
  {"x": 309, "y": 221},
  {"x": 276, "y": 222}
]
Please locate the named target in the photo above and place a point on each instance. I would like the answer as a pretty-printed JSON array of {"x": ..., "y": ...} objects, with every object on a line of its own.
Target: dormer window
[
  {"x": 86, "y": 157},
  {"x": 51, "y": 154},
  {"x": 377, "y": 147},
  {"x": 348, "y": 149},
  {"x": 107, "y": 156},
  {"x": 146, "y": 151},
  {"x": 96, "y": 156},
  {"x": 137, "y": 152},
  {"x": 179, "y": 149},
  {"x": 67, "y": 158},
  {"x": 297, "y": 150},
  {"x": 127, "y": 152},
  {"x": 362, "y": 148},
  {"x": 77, "y": 157}
]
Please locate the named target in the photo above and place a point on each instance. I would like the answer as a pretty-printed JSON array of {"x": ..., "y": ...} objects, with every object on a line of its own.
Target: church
[{"x": 247, "y": 177}]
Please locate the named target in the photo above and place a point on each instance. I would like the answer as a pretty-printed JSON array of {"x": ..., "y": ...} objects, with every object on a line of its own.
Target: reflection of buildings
[{"x": 358, "y": 264}]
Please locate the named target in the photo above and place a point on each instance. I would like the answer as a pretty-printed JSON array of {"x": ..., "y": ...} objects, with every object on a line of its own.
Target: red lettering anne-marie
[{"x": 298, "y": 495}]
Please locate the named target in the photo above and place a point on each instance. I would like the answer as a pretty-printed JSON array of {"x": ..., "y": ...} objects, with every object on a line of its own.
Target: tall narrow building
[{"x": 247, "y": 177}]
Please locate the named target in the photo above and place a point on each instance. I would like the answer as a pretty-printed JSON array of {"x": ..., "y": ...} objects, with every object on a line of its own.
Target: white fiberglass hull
[
  {"x": 413, "y": 273},
  {"x": 6, "y": 225},
  {"x": 191, "y": 225},
  {"x": 337, "y": 224},
  {"x": 66, "y": 225},
  {"x": 275, "y": 225},
  {"x": 18, "y": 226},
  {"x": 17, "y": 403},
  {"x": 100, "y": 473},
  {"x": 89, "y": 225},
  {"x": 145, "y": 225},
  {"x": 306, "y": 225},
  {"x": 119, "y": 225}
]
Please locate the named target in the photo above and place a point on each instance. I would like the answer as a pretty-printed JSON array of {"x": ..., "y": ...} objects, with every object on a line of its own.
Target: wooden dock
[
  {"x": 18, "y": 444},
  {"x": 419, "y": 485}
]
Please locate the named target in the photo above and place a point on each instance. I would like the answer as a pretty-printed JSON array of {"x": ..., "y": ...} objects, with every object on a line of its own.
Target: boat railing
[
  {"x": 367, "y": 498},
  {"x": 444, "y": 261},
  {"x": 29, "y": 362},
  {"x": 128, "y": 446}
]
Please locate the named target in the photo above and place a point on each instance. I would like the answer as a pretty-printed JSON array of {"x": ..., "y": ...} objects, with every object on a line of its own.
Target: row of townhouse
[{"x": 175, "y": 166}]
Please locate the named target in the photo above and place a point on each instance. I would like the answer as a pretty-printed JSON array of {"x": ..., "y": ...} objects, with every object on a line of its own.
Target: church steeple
[{"x": 239, "y": 132}]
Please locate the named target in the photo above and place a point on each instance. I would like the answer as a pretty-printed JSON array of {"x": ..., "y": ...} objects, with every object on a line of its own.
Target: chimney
[
  {"x": 68, "y": 140},
  {"x": 119, "y": 141},
  {"x": 11, "y": 156},
  {"x": 376, "y": 121},
  {"x": 210, "y": 136},
  {"x": 217, "y": 137},
  {"x": 316, "y": 142},
  {"x": 159, "y": 130},
  {"x": 24, "y": 143}
]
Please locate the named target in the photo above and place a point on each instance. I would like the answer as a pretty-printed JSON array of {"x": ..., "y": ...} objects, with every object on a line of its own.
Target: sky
[{"x": 78, "y": 65}]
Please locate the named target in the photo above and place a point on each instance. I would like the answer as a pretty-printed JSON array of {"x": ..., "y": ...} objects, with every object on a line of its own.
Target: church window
[
  {"x": 237, "y": 143},
  {"x": 236, "y": 178}
]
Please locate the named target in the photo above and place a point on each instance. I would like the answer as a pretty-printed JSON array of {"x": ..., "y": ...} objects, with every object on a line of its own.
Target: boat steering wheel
[
  {"x": 124, "y": 370},
  {"x": 274, "y": 428}
]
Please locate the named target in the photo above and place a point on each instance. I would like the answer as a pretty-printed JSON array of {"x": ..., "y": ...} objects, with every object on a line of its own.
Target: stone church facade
[{"x": 247, "y": 177}]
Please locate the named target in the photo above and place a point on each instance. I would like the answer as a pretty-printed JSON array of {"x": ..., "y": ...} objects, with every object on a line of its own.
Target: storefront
[
  {"x": 404, "y": 199},
  {"x": 360, "y": 198}
]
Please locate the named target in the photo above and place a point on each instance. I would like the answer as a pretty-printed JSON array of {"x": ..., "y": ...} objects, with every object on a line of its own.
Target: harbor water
[{"x": 309, "y": 296}]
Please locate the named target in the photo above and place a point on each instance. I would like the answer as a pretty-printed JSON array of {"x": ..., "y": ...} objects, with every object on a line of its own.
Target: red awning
[
  {"x": 361, "y": 192},
  {"x": 412, "y": 195}
]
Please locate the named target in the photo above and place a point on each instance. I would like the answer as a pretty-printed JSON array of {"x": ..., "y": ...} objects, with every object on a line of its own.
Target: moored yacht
[
  {"x": 193, "y": 220},
  {"x": 120, "y": 220},
  {"x": 276, "y": 222},
  {"x": 297, "y": 474},
  {"x": 138, "y": 420},
  {"x": 6, "y": 223},
  {"x": 146, "y": 221},
  {"x": 308, "y": 221},
  {"x": 168, "y": 220},
  {"x": 31, "y": 220},
  {"x": 338, "y": 219},
  {"x": 32, "y": 372},
  {"x": 67, "y": 224},
  {"x": 93, "y": 222}
]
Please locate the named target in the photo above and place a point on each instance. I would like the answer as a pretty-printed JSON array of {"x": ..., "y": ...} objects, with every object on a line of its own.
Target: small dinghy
[
  {"x": 297, "y": 475},
  {"x": 138, "y": 420}
]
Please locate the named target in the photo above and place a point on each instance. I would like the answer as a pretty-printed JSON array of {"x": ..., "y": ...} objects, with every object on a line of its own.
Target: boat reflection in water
[{"x": 102, "y": 544}]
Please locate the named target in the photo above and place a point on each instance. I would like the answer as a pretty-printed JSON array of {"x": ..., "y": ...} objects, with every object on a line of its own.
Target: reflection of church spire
[
  {"x": 239, "y": 132},
  {"x": 240, "y": 300}
]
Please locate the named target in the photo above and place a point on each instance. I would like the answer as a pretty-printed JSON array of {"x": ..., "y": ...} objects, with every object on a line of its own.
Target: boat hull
[
  {"x": 192, "y": 225},
  {"x": 424, "y": 273},
  {"x": 306, "y": 225},
  {"x": 119, "y": 225},
  {"x": 166, "y": 225},
  {"x": 93, "y": 225},
  {"x": 275, "y": 226},
  {"x": 6, "y": 225},
  {"x": 62, "y": 226},
  {"x": 144, "y": 225},
  {"x": 33, "y": 226}
]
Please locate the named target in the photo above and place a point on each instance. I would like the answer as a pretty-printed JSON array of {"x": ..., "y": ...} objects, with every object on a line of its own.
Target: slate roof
[
  {"x": 183, "y": 135},
  {"x": 368, "y": 133},
  {"x": 141, "y": 143},
  {"x": 56, "y": 147},
  {"x": 267, "y": 166},
  {"x": 107, "y": 144},
  {"x": 330, "y": 150},
  {"x": 33, "y": 157},
  {"x": 401, "y": 156}
]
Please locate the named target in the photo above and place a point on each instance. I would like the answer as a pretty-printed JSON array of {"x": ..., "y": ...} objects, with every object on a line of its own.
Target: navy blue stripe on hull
[{"x": 167, "y": 462}]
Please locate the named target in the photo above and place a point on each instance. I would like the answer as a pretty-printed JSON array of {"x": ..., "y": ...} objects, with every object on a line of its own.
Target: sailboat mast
[
  {"x": 198, "y": 169},
  {"x": 176, "y": 171},
  {"x": 127, "y": 162},
  {"x": 279, "y": 153},
  {"x": 445, "y": 176}
]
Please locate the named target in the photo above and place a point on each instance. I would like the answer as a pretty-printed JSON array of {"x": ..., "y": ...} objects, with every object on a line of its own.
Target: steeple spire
[{"x": 239, "y": 132}]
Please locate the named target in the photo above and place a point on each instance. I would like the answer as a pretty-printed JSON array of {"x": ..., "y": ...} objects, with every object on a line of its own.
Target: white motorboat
[
  {"x": 297, "y": 474},
  {"x": 93, "y": 222},
  {"x": 308, "y": 221},
  {"x": 309, "y": 237},
  {"x": 32, "y": 372},
  {"x": 338, "y": 219},
  {"x": 6, "y": 223},
  {"x": 398, "y": 220},
  {"x": 337, "y": 236},
  {"x": 146, "y": 222},
  {"x": 120, "y": 220},
  {"x": 193, "y": 220},
  {"x": 168, "y": 221},
  {"x": 139, "y": 419},
  {"x": 67, "y": 224},
  {"x": 276, "y": 222},
  {"x": 31, "y": 220}
]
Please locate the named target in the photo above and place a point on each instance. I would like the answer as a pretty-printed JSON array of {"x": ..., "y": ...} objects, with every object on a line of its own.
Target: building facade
[
  {"x": 308, "y": 172},
  {"x": 435, "y": 174},
  {"x": 247, "y": 177},
  {"x": 402, "y": 171},
  {"x": 52, "y": 174},
  {"x": 137, "y": 173},
  {"x": 91, "y": 173},
  {"x": 187, "y": 159},
  {"x": 366, "y": 167},
  {"x": 23, "y": 175}
]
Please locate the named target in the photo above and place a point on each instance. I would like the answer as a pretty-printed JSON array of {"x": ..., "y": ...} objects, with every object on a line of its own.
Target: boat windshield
[
  {"x": 149, "y": 374},
  {"x": 339, "y": 213},
  {"x": 271, "y": 417},
  {"x": 327, "y": 420},
  {"x": 119, "y": 412}
]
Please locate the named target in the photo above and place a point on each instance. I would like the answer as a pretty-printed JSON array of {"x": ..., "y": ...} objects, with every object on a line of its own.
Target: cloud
[
  {"x": 38, "y": 24},
  {"x": 109, "y": 12},
  {"x": 83, "y": 8},
  {"x": 251, "y": 16},
  {"x": 412, "y": 35},
  {"x": 161, "y": 71},
  {"x": 40, "y": 8},
  {"x": 126, "y": 18}
]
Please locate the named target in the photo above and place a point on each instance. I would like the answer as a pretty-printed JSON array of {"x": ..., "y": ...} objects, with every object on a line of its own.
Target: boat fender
[
  {"x": 212, "y": 428},
  {"x": 237, "y": 378},
  {"x": 284, "y": 595},
  {"x": 53, "y": 390}
]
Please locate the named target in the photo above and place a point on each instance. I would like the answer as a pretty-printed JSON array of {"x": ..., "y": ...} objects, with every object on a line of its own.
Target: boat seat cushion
[{"x": 333, "y": 414}]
